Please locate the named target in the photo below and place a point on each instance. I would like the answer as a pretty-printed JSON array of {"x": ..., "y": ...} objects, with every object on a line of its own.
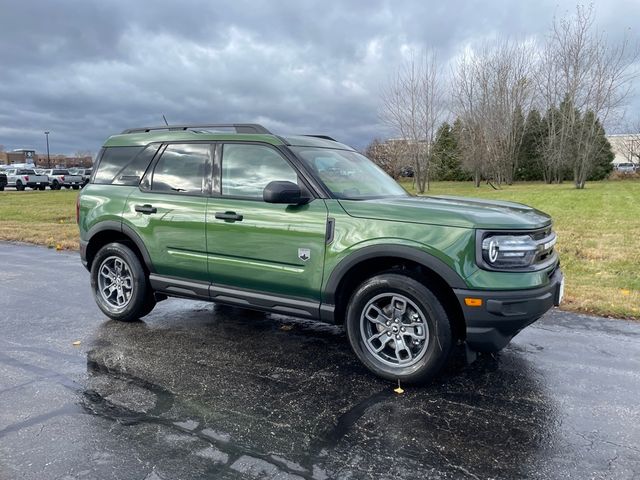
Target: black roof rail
[
  {"x": 325, "y": 137},
  {"x": 238, "y": 127}
]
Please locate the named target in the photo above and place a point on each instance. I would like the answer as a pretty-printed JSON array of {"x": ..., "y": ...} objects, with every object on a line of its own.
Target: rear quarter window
[{"x": 123, "y": 165}]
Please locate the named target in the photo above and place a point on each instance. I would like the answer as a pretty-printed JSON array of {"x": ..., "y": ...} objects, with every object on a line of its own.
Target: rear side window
[
  {"x": 60, "y": 172},
  {"x": 124, "y": 165},
  {"x": 26, "y": 172},
  {"x": 181, "y": 169}
]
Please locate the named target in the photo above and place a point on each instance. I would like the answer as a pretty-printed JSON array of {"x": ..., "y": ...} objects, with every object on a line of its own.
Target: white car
[
  {"x": 625, "y": 167},
  {"x": 59, "y": 178}
]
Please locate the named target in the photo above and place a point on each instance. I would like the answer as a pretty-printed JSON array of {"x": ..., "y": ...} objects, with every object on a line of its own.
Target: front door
[{"x": 254, "y": 245}]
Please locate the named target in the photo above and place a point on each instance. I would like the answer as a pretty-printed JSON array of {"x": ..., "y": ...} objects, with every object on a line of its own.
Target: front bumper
[{"x": 503, "y": 314}]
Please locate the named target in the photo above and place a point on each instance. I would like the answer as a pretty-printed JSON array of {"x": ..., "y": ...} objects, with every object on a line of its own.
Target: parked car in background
[
  {"x": 20, "y": 178},
  {"x": 59, "y": 178},
  {"x": 85, "y": 173},
  {"x": 3, "y": 180},
  {"x": 625, "y": 167}
]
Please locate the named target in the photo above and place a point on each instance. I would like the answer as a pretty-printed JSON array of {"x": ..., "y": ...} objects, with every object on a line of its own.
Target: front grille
[{"x": 546, "y": 240}]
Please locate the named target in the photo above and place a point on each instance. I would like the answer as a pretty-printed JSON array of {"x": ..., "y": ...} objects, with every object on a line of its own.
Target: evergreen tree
[
  {"x": 530, "y": 154},
  {"x": 603, "y": 155},
  {"x": 446, "y": 161}
]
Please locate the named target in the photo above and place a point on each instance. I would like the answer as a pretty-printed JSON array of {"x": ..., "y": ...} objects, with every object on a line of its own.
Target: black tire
[
  {"x": 55, "y": 185},
  {"x": 424, "y": 316},
  {"x": 42, "y": 187},
  {"x": 137, "y": 303},
  {"x": 1, "y": 188},
  {"x": 76, "y": 187},
  {"x": 149, "y": 304},
  {"x": 19, "y": 186},
  {"x": 67, "y": 187}
]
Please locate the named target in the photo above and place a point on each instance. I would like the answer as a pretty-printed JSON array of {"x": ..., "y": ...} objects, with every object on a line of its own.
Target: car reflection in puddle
[{"x": 266, "y": 395}]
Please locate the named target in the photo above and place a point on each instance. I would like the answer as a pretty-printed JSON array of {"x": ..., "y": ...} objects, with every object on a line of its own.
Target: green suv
[{"x": 308, "y": 227}]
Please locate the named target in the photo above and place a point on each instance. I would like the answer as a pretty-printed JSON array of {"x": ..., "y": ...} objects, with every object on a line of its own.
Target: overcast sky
[{"x": 85, "y": 70}]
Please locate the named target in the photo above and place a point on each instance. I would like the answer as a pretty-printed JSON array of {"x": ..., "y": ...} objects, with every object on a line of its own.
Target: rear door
[
  {"x": 259, "y": 246},
  {"x": 169, "y": 210}
]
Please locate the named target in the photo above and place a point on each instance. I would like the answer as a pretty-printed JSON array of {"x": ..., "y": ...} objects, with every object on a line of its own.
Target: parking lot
[{"x": 204, "y": 391}]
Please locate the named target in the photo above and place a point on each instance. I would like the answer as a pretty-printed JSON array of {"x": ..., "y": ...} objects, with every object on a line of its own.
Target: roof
[{"x": 144, "y": 136}]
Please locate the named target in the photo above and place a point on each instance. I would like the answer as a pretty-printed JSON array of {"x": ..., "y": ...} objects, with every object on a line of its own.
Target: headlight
[{"x": 509, "y": 251}]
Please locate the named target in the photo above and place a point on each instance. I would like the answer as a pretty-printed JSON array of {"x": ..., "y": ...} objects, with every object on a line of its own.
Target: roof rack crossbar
[
  {"x": 238, "y": 127},
  {"x": 325, "y": 137}
]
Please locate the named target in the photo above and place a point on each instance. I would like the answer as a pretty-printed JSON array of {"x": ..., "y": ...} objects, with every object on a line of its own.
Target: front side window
[
  {"x": 349, "y": 175},
  {"x": 181, "y": 169},
  {"x": 247, "y": 169}
]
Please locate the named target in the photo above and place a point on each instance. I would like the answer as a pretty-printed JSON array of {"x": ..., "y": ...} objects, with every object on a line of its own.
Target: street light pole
[{"x": 46, "y": 134}]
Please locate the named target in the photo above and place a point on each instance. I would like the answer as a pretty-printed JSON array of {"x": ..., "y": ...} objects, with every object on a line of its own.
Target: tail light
[
  {"x": 78, "y": 209},
  {"x": 62, "y": 177},
  {"x": 26, "y": 178}
]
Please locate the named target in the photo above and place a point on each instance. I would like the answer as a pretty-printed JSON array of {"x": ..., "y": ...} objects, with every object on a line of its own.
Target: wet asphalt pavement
[{"x": 204, "y": 391}]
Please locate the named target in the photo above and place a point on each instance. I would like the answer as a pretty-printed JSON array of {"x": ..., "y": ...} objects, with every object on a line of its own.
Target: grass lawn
[{"x": 598, "y": 229}]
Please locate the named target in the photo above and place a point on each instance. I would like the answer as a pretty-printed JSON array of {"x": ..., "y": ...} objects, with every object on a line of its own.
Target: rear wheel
[
  {"x": 119, "y": 283},
  {"x": 55, "y": 185},
  {"x": 398, "y": 328},
  {"x": 41, "y": 187},
  {"x": 76, "y": 187},
  {"x": 19, "y": 186}
]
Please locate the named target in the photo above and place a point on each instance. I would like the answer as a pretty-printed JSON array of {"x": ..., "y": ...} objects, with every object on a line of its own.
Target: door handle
[
  {"x": 146, "y": 209},
  {"x": 229, "y": 216}
]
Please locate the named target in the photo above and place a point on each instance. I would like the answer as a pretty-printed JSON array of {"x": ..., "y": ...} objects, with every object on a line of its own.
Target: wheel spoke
[
  {"x": 400, "y": 346},
  {"x": 399, "y": 306},
  {"x": 106, "y": 272},
  {"x": 375, "y": 315},
  {"x": 415, "y": 335},
  {"x": 382, "y": 337}
]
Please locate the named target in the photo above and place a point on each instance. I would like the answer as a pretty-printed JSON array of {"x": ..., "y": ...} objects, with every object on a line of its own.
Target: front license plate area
[{"x": 560, "y": 292}]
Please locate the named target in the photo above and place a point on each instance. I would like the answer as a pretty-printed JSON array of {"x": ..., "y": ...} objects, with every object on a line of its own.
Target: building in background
[
  {"x": 21, "y": 155},
  {"x": 626, "y": 147}
]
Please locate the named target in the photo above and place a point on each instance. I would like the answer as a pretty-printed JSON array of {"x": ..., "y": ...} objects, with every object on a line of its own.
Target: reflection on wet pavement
[{"x": 203, "y": 391}]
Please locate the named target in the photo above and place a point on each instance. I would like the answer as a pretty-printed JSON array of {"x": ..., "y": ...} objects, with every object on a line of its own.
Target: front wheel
[
  {"x": 119, "y": 283},
  {"x": 398, "y": 328}
]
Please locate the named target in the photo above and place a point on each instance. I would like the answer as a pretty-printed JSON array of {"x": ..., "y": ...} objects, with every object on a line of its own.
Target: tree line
[
  {"x": 527, "y": 163},
  {"x": 523, "y": 110}
]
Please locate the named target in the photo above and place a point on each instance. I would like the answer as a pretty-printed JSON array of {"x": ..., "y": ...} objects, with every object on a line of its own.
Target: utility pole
[{"x": 46, "y": 134}]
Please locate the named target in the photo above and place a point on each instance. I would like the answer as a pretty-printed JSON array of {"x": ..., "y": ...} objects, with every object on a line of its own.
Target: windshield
[{"x": 349, "y": 175}]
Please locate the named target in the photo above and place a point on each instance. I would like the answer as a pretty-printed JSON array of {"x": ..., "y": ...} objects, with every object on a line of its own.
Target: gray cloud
[{"x": 85, "y": 70}]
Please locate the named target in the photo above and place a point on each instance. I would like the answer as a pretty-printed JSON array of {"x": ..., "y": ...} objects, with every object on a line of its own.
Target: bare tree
[
  {"x": 413, "y": 106},
  {"x": 584, "y": 81},
  {"x": 493, "y": 92},
  {"x": 392, "y": 155}
]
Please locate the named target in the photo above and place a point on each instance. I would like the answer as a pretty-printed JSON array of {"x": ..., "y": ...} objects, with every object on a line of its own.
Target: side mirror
[{"x": 281, "y": 191}]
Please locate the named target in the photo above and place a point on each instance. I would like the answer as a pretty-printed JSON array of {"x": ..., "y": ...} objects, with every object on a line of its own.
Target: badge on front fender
[{"x": 304, "y": 254}]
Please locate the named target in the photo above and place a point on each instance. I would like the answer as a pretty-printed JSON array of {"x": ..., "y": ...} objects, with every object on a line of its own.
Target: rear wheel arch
[
  {"x": 109, "y": 232},
  {"x": 371, "y": 261}
]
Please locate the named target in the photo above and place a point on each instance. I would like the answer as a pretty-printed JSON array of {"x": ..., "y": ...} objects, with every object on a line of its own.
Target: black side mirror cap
[{"x": 281, "y": 191}]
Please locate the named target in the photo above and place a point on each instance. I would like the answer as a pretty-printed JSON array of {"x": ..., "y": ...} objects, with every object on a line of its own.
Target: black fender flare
[
  {"x": 128, "y": 232},
  {"x": 448, "y": 274}
]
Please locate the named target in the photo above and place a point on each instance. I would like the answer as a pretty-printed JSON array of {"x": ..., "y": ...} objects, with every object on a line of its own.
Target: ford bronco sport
[{"x": 307, "y": 226}]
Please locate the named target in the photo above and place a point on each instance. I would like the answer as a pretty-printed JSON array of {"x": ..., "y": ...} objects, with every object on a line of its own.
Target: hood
[{"x": 463, "y": 212}]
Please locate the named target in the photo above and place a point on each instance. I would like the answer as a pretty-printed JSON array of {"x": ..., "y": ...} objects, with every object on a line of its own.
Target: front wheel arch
[{"x": 344, "y": 281}]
